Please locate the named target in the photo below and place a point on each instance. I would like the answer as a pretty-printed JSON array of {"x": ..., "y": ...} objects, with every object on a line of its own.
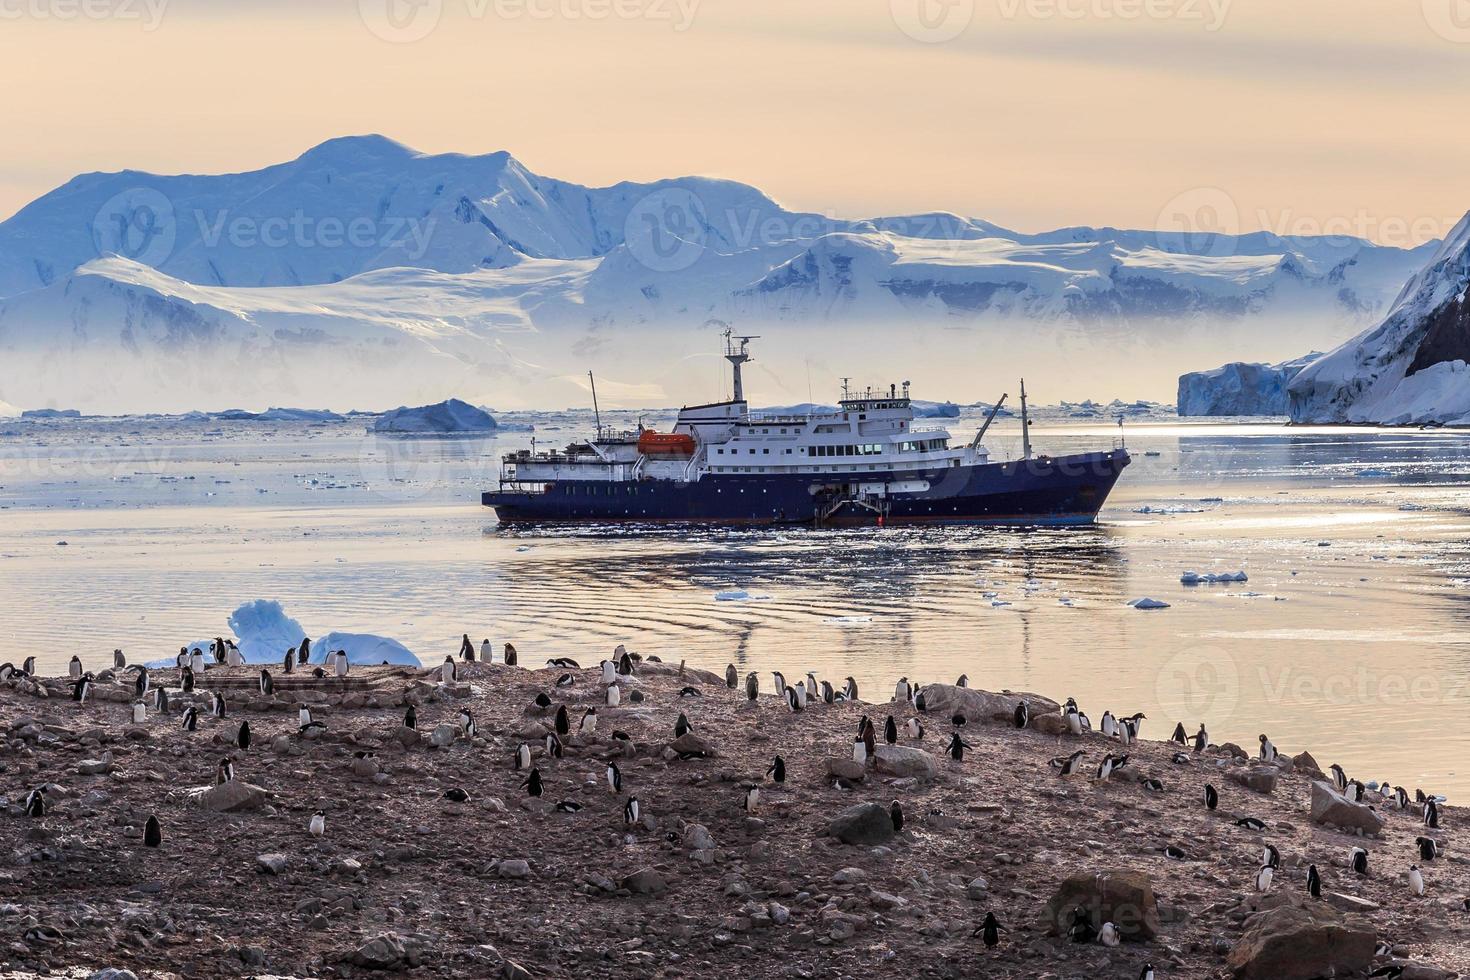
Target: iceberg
[
  {"x": 1147, "y": 603},
  {"x": 1240, "y": 388},
  {"x": 1194, "y": 578},
  {"x": 264, "y": 632},
  {"x": 363, "y": 648},
  {"x": 450, "y": 417}
]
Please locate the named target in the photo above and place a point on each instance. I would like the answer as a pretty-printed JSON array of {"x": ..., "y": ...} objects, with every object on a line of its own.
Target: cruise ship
[{"x": 867, "y": 463}]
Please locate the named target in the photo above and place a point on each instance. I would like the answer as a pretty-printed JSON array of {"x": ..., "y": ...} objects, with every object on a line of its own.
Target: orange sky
[{"x": 1295, "y": 116}]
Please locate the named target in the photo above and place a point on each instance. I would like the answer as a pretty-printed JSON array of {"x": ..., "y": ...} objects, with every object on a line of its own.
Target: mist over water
[{"x": 1349, "y": 639}]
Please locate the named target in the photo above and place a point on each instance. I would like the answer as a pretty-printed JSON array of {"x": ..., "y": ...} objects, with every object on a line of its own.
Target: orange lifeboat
[{"x": 652, "y": 443}]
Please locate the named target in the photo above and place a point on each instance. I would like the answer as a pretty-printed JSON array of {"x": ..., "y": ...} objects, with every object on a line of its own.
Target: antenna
[
  {"x": 737, "y": 354},
  {"x": 994, "y": 411},
  {"x": 596, "y": 413},
  {"x": 1025, "y": 425}
]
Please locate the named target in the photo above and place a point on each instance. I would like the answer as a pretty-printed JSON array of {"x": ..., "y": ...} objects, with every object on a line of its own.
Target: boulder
[
  {"x": 645, "y": 881},
  {"x": 691, "y": 675},
  {"x": 271, "y": 864},
  {"x": 1299, "y": 942},
  {"x": 1124, "y": 898},
  {"x": 1331, "y": 807},
  {"x": 902, "y": 760},
  {"x": 846, "y": 769},
  {"x": 984, "y": 706},
  {"x": 1261, "y": 779},
  {"x": 690, "y": 742},
  {"x": 865, "y": 824},
  {"x": 385, "y": 952},
  {"x": 444, "y": 735},
  {"x": 232, "y": 797},
  {"x": 1051, "y": 723},
  {"x": 1307, "y": 764}
]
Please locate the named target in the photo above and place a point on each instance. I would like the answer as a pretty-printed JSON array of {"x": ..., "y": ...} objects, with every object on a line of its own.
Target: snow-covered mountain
[
  {"x": 1412, "y": 368},
  {"x": 365, "y": 274},
  {"x": 1239, "y": 388}
]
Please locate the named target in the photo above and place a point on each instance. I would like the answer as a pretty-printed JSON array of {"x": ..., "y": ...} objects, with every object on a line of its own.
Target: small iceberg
[
  {"x": 1147, "y": 603},
  {"x": 732, "y": 595},
  {"x": 264, "y": 633},
  {"x": 1194, "y": 578},
  {"x": 363, "y": 648},
  {"x": 1147, "y": 509},
  {"x": 447, "y": 418}
]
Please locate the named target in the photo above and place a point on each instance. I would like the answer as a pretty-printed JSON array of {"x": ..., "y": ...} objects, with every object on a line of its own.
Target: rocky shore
[{"x": 815, "y": 881}]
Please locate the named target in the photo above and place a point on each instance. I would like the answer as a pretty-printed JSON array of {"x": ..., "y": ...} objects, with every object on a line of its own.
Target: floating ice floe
[
  {"x": 849, "y": 620},
  {"x": 1147, "y": 603},
  {"x": 1409, "y": 507},
  {"x": 1147, "y": 509},
  {"x": 1066, "y": 601},
  {"x": 1375, "y": 473},
  {"x": 998, "y": 603},
  {"x": 738, "y": 595},
  {"x": 1194, "y": 578}
]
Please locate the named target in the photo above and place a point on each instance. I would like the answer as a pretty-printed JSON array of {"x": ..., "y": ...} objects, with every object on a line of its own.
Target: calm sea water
[{"x": 1349, "y": 639}]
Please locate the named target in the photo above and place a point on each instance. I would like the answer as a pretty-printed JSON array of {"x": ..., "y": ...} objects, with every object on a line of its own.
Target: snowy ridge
[{"x": 1240, "y": 388}]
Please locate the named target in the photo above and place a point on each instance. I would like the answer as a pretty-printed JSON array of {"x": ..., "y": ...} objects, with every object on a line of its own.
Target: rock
[
  {"x": 902, "y": 760},
  {"x": 977, "y": 889},
  {"x": 698, "y": 838},
  {"x": 779, "y": 913},
  {"x": 1330, "y": 806},
  {"x": 95, "y": 767},
  {"x": 1307, "y": 764},
  {"x": 977, "y": 705},
  {"x": 514, "y": 868},
  {"x": 690, "y": 742},
  {"x": 1350, "y": 903},
  {"x": 365, "y": 767},
  {"x": 865, "y": 824},
  {"x": 109, "y": 973},
  {"x": 384, "y": 952},
  {"x": 1261, "y": 779},
  {"x": 273, "y": 863},
  {"x": 1049, "y": 724},
  {"x": 1124, "y": 898},
  {"x": 848, "y": 876},
  {"x": 1299, "y": 942},
  {"x": 846, "y": 769},
  {"x": 645, "y": 881},
  {"x": 232, "y": 797},
  {"x": 407, "y": 737},
  {"x": 444, "y": 735}
]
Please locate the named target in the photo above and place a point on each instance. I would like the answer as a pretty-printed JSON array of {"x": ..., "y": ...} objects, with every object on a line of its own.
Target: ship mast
[
  {"x": 596, "y": 412},
  {"x": 737, "y": 355},
  {"x": 1025, "y": 425}
]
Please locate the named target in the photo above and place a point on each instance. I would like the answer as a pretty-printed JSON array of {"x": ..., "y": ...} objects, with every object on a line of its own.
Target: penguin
[
  {"x": 625, "y": 665},
  {"x": 850, "y": 690},
  {"x": 829, "y": 693},
  {"x": 777, "y": 772},
  {"x": 456, "y": 795},
  {"x": 609, "y": 672},
  {"x": 963, "y": 681},
  {"x": 752, "y": 800},
  {"x": 182, "y": 660},
  {"x": 1177, "y": 853},
  {"x": 1250, "y": 823},
  {"x": 160, "y": 700},
  {"x": 318, "y": 825},
  {"x": 267, "y": 686},
  {"x": 75, "y": 667},
  {"x": 623, "y": 739},
  {"x": 543, "y": 701},
  {"x": 1358, "y": 860},
  {"x": 1135, "y": 723},
  {"x": 487, "y": 652},
  {"x": 1081, "y": 930},
  {"x": 303, "y": 716},
  {"x": 859, "y": 751},
  {"x": 1153, "y": 785},
  {"x": 989, "y": 931},
  {"x": 811, "y": 686},
  {"x": 682, "y": 726},
  {"x": 554, "y": 746},
  {"x": 510, "y": 656},
  {"x": 1125, "y": 731},
  {"x": 1201, "y": 739},
  {"x": 118, "y": 660},
  {"x": 1108, "y": 935},
  {"x": 1431, "y": 814},
  {"x": 1180, "y": 759},
  {"x": 1356, "y": 790},
  {"x": 152, "y": 832},
  {"x": 533, "y": 783},
  {"x": 81, "y": 689},
  {"x": 140, "y": 712},
  {"x": 466, "y": 649},
  {"x": 895, "y": 814},
  {"x": 563, "y": 723},
  {"x": 7, "y": 670},
  {"x": 870, "y": 739},
  {"x": 448, "y": 671},
  {"x": 1108, "y": 726},
  {"x": 913, "y": 728},
  {"x": 522, "y": 757},
  {"x": 1068, "y": 766},
  {"x": 752, "y": 686},
  {"x": 1428, "y": 848},
  {"x": 614, "y": 778},
  {"x": 191, "y": 719},
  {"x": 224, "y": 772},
  {"x": 1401, "y": 797},
  {"x": 303, "y": 652},
  {"x": 318, "y": 673},
  {"x": 242, "y": 736},
  {"x": 1023, "y": 714},
  {"x": 566, "y": 806},
  {"x": 1147, "y": 973},
  {"x": 958, "y": 720},
  {"x": 780, "y": 680},
  {"x": 1268, "y": 751},
  {"x": 562, "y": 662},
  {"x": 921, "y": 703},
  {"x": 216, "y": 704},
  {"x": 28, "y": 666},
  {"x": 1416, "y": 880},
  {"x": 631, "y": 810},
  {"x": 1339, "y": 778},
  {"x": 1314, "y": 882},
  {"x": 957, "y": 747},
  {"x": 411, "y": 718},
  {"x": 1212, "y": 797},
  {"x": 1179, "y": 738},
  {"x": 1271, "y": 858},
  {"x": 196, "y": 661},
  {"x": 902, "y": 691},
  {"x": 796, "y": 697},
  {"x": 732, "y": 677},
  {"x": 288, "y": 662},
  {"x": 1106, "y": 767},
  {"x": 36, "y": 802},
  {"x": 614, "y": 696},
  {"x": 341, "y": 665},
  {"x": 588, "y": 724},
  {"x": 1073, "y": 718},
  {"x": 186, "y": 680}
]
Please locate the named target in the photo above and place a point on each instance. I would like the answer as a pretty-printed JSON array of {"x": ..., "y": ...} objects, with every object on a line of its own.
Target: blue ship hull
[{"x": 1042, "y": 490}]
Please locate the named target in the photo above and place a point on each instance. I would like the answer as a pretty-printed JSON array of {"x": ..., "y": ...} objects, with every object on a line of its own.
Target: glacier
[{"x": 1239, "y": 388}]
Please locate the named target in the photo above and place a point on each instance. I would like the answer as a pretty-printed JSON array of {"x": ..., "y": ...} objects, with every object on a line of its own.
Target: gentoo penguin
[
  {"x": 466, "y": 649},
  {"x": 533, "y": 783},
  {"x": 780, "y": 680},
  {"x": 1108, "y": 935},
  {"x": 829, "y": 693},
  {"x": 870, "y": 739},
  {"x": 487, "y": 652},
  {"x": 614, "y": 696},
  {"x": 456, "y": 795},
  {"x": 224, "y": 772},
  {"x": 777, "y": 772},
  {"x": 890, "y": 731},
  {"x": 609, "y": 673},
  {"x": 36, "y": 802},
  {"x": 75, "y": 667},
  {"x": 614, "y": 778},
  {"x": 1081, "y": 929},
  {"x": 811, "y": 686},
  {"x": 1428, "y": 848},
  {"x": 1431, "y": 814},
  {"x": 565, "y": 806},
  {"x": 796, "y": 697},
  {"x": 1201, "y": 739},
  {"x": 895, "y": 814},
  {"x": 1108, "y": 726},
  {"x": 118, "y": 660},
  {"x": 913, "y": 728},
  {"x": 1401, "y": 797},
  {"x": 288, "y": 662},
  {"x": 267, "y": 685},
  {"x": 1153, "y": 785},
  {"x": 1271, "y": 857},
  {"x": 411, "y": 718},
  {"x": 1339, "y": 778},
  {"x": 1179, "y": 738},
  {"x": 186, "y": 680},
  {"x": 752, "y": 800},
  {"x": 1023, "y": 714},
  {"x": 1268, "y": 751},
  {"x": 318, "y": 673},
  {"x": 191, "y": 718},
  {"x": 196, "y": 660},
  {"x": 1106, "y": 767},
  {"x": 1181, "y": 759},
  {"x": 81, "y": 689},
  {"x": 1358, "y": 860},
  {"x": 963, "y": 681},
  {"x": 563, "y": 722},
  {"x": 625, "y": 664},
  {"x": 1177, "y": 853},
  {"x": 242, "y": 736},
  {"x": 921, "y": 703},
  {"x": 850, "y": 690},
  {"x": 28, "y": 666},
  {"x": 681, "y": 725},
  {"x": 902, "y": 691},
  {"x": 859, "y": 751},
  {"x": 564, "y": 662},
  {"x": 1125, "y": 731},
  {"x": 522, "y": 758},
  {"x": 957, "y": 747},
  {"x": 1250, "y": 823},
  {"x": 553, "y": 745},
  {"x": 989, "y": 931},
  {"x": 1416, "y": 880},
  {"x": 7, "y": 670},
  {"x": 1314, "y": 882},
  {"x": 152, "y": 832},
  {"x": 1212, "y": 797},
  {"x": 510, "y": 656},
  {"x": 182, "y": 660},
  {"x": 318, "y": 825},
  {"x": 1068, "y": 766},
  {"x": 303, "y": 652},
  {"x": 140, "y": 712},
  {"x": 216, "y": 704},
  {"x": 303, "y": 716},
  {"x": 588, "y": 724},
  {"x": 752, "y": 686},
  {"x": 448, "y": 671},
  {"x": 631, "y": 810},
  {"x": 1147, "y": 973},
  {"x": 1134, "y": 722},
  {"x": 543, "y": 701},
  {"x": 1073, "y": 718},
  {"x": 233, "y": 654}
]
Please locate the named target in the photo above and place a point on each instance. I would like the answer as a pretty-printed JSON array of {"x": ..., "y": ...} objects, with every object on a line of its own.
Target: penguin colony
[{"x": 551, "y": 769}]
